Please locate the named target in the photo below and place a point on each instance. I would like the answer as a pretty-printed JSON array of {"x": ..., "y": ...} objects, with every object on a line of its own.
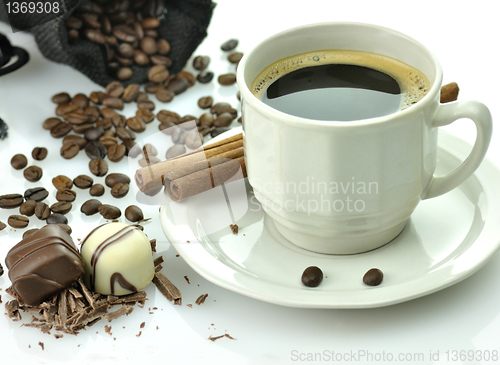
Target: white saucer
[{"x": 446, "y": 240}]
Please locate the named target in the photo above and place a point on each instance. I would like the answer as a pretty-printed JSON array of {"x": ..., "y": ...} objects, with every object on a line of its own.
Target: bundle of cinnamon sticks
[{"x": 196, "y": 171}]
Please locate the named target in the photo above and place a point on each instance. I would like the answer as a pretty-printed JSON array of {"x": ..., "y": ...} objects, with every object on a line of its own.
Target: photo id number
[{"x": 32, "y": 7}]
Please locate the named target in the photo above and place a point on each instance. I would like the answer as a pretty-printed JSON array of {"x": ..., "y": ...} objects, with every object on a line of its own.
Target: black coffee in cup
[{"x": 340, "y": 85}]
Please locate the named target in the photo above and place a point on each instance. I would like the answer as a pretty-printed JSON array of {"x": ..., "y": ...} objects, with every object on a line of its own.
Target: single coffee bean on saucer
[
  {"x": 115, "y": 178},
  {"x": 19, "y": 161},
  {"x": 98, "y": 167},
  {"x": 36, "y": 194},
  {"x": 90, "y": 207},
  {"x": 55, "y": 218},
  {"x": 42, "y": 211},
  {"x": 119, "y": 190},
  {"x": 62, "y": 182},
  {"x": 39, "y": 153},
  {"x": 33, "y": 173},
  {"x": 312, "y": 276},
  {"x": 9, "y": 201},
  {"x": 28, "y": 208},
  {"x": 61, "y": 207},
  {"x": 133, "y": 213},
  {"x": 83, "y": 181},
  {"x": 109, "y": 211},
  {"x": 18, "y": 221},
  {"x": 96, "y": 190},
  {"x": 66, "y": 195},
  {"x": 373, "y": 277}
]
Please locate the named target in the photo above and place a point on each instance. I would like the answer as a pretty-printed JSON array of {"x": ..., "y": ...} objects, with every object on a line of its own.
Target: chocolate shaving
[
  {"x": 158, "y": 268},
  {"x": 42, "y": 345},
  {"x": 234, "y": 228},
  {"x": 187, "y": 279},
  {"x": 230, "y": 337},
  {"x": 12, "y": 309},
  {"x": 159, "y": 260},
  {"x": 107, "y": 329},
  {"x": 215, "y": 338},
  {"x": 118, "y": 313},
  {"x": 153, "y": 244},
  {"x": 168, "y": 289},
  {"x": 201, "y": 299}
]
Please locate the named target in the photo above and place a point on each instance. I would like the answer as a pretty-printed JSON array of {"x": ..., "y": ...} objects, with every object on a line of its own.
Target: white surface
[
  {"x": 430, "y": 254},
  {"x": 464, "y": 317}
]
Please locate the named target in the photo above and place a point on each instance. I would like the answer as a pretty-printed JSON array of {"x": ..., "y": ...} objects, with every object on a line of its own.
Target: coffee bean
[
  {"x": 9, "y": 201},
  {"x": 118, "y": 120},
  {"x": 19, "y": 161},
  {"x": 80, "y": 141},
  {"x": 39, "y": 153},
  {"x": 165, "y": 95},
  {"x": 42, "y": 210},
  {"x": 146, "y": 115},
  {"x": 56, "y": 218},
  {"x": 163, "y": 47},
  {"x": 96, "y": 190},
  {"x": 124, "y": 134},
  {"x": 66, "y": 195},
  {"x": 207, "y": 119},
  {"x": 69, "y": 150},
  {"x": 83, "y": 181},
  {"x": 133, "y": 213},
  {"x": 132, "y": 149},
  {"x": 222, "y": 107},
  {"x": 29, "y": 232},
  {"x": 50, "y": 123},
  {"x": 90, "y": 207},
  {"x": 168, "y": 116},
  {"x": 81, "y": 100},
  {"x": 61, "y": 98},
  {"x": 216, "y": 131},
  {"x": 124, "y": 33},
  {"x": 93, "y": 113},
  {"x": 136, "y": 125},
  {"x": 229, "y": 45},
  {"x": 227, "y": 79},
  {"x": 93, "y": 134},
  {"x": 119, "y": 190},
  {"x": 80, "y": 129},
  {"x": 105, "y": 124},
  {"x": 60, "y": 129},
  {"x": 115, "y": 178},
  {"x": 66, "y": 108},
  {"x": 149, "y": 45},
  {"x": 108, "y": 141},
  {"x": 235, "y": 57},
  {"x": 2, "y": 227},
  {"x": 76, "y": 118},
  {"x": 33, "y": 173},
  {"x": 114, "y": 89},
  {"x": 97, "y": 97},
  {"x": 205, "y": 77},
  {"x": 146, "y": 104},
  {"x": 312, "y": 276},
  {"x": 131, "y": 93},
  {"x": 61, "y": 207},
  {"x": 193, "y": 139},
  {"x": 161, "y": 60},
  {"x": 205, "y": 102},
  {"x": 149, "y": 150},
  {"x": 112, "y": 102},
  {"x": 96, "y": 149},
  {"x": 188, "y": 76},
  {"x": 62, "y": 182},
  {"x": 150, "y": 23},
  {"x": 158, "y": 74},
  {"x": 141, "y": 58},
  {"x": 175, "y": 150},
  {"x": 98, "y": 167},
  {"x": 178, "y": 85},
  {"x": 178, "y": 136},
  {"x": 116, "y": 152},
  {"x": 18, "y": 221},
  {"x": 37, "y": 194},
  {"x": 94, "y": 35},
  {"x": 109, "y": 211},
  {"x": 124, "y": 73},
  {"x": 28, "y": 208},
  {"x": 153, "y": 87},
  {"x": 201, "y": 62},
  {"x": 64, "y": 227},
  {"x": 223, "y": 120},
  {"x": 373, "y": 277},
  {"x": 204, "y": 130}
]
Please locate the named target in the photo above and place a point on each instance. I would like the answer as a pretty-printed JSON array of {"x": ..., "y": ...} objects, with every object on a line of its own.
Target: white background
[{"x": 464, "y": 37}]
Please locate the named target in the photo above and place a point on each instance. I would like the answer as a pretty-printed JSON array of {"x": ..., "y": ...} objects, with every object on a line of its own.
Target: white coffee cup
[{"x": 349, "y": 187}]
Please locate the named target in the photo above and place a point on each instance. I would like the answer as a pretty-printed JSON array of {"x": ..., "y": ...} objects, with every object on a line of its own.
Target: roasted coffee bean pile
[{"x": 126, "y": 30}]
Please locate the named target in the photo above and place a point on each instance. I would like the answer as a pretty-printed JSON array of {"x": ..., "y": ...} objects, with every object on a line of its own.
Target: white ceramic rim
[{"x": 252, "y": 100}]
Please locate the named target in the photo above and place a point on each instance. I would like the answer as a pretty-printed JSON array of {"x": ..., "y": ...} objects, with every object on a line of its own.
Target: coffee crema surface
[{"x": 340, "y": 85}]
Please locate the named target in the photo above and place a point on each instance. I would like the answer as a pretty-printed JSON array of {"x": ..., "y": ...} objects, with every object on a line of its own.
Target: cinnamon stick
[
  {"x": 151, "y": 177},
  {"x": 449, "y": 92}
]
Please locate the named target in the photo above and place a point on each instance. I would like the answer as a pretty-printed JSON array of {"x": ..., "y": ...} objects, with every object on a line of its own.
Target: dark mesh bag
[{"x": 183, "y": 24}]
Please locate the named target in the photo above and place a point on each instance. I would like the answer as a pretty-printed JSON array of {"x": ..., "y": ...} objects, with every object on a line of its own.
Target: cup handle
[{"x": 447, "y": 114}]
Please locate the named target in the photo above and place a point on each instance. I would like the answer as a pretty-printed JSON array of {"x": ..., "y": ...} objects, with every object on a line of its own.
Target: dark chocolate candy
[{"x": 43, "y": 264}]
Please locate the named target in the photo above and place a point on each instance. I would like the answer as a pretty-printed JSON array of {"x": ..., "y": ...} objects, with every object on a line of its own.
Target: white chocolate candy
[{"x": 118, "y": 259}]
